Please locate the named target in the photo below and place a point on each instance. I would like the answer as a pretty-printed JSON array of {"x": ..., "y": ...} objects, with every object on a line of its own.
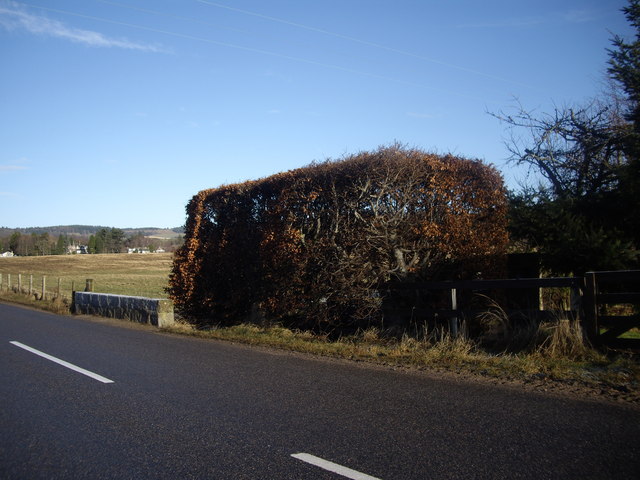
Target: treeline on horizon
[
  {"x": 94, "y": 240},
  {"x": 84, "y": 230}
]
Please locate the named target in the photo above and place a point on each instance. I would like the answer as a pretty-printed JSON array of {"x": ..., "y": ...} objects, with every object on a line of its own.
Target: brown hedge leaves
[{"x": 311, "y": 247}]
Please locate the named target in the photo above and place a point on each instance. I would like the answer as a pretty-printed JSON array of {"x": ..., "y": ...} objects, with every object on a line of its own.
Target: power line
[
  {"x": 171, "y": 15},
  {"x": 360, "y": 41}
]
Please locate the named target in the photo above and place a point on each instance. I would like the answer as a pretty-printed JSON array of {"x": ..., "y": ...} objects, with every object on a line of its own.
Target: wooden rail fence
[
  {"x": 603, "y": 291},
  {"x": 592, "y": 297},
  {"x": 24, "y": 284}
]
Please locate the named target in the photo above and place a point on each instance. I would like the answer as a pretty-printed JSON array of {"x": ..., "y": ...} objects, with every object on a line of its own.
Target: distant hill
[
  {"x": 152, "y": 232},
  {"x": 86, "y": 230}
]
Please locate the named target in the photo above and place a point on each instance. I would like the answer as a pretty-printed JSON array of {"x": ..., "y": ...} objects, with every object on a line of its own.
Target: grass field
[{"x": 135, "y": 274}]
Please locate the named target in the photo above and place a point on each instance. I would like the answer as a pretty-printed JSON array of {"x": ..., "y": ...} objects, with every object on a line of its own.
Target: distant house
[
  {"x": 6, "y": 254},
  {"x": 77, "y": 249},
  {"x": 138, "y": 250},
  {"x": 144, "y": 250}
]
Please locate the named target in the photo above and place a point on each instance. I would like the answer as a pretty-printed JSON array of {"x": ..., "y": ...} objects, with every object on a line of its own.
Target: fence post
[
  {"x": 1, "y": 285},
  {"x": 19, "y": 283},
  {"x": 44, "y": 287},
  {"x": 453, "y": 321},
  {"x": 58, "y": 292},
  {"x": 31, "y": 284},
  {"x": 8, "y": 282},
  {"x": 73, "y": 296},
  {"x": 89, "y": 285},
  {"x": 589, "y": 306},
  {"x": 575, "y": 300}
]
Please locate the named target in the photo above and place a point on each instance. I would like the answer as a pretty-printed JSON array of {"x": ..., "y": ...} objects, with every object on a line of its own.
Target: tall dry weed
[
  {"x": 503, "y": 332},
  {"x": 563, "y": 338},
  {"x": 560, "y": 338},
  {"x": 370, "y": 335},
  {"x": 495, "y": 323},
  {"x": 60, "y": 305},
  {"x": 442, "y": 344}
]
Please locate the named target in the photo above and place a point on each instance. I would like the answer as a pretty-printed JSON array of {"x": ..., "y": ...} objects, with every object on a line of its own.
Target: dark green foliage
[
  {"x": 624, "y": 64},
  {"x": 624, "y": 68},
  {"x": 107, "y": 240},
  {"x": 572, "y": 235}
]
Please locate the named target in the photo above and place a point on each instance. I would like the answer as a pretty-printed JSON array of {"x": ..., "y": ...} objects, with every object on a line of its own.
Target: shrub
[{"x": 311, "y": 247}]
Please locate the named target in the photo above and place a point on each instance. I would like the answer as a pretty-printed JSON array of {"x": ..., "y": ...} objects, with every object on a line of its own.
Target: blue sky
[{"x": 117, "y": 112}]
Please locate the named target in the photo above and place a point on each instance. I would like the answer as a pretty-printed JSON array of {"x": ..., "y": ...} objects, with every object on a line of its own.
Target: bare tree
[{"x": 578, "y": 150}]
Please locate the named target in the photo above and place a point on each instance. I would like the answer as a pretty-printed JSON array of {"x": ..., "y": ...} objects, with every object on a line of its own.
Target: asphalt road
[{"x": 182, "y": 408}]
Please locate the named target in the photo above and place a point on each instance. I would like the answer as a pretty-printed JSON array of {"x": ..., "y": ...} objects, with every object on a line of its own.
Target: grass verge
[
  {"x": 547, "y": 366},
  {"x": 59, "y": 305}
]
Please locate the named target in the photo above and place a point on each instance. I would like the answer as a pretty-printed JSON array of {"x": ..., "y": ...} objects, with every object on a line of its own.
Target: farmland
[{"x": 135, "y": 274}]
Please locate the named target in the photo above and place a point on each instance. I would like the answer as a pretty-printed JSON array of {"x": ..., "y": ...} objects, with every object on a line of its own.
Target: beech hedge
[{"x": 314, "y": 247}]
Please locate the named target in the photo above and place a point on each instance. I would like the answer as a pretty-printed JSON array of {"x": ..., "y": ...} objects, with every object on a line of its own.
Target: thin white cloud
[
  {"x": 12, "y": 168},
  {"x": 578, "y": 16},
  {"x": 506, "y": 23},
  {"x": 15, "y": 165},
  {"x": 571, "y": 16},
  {"x": 13, "y": 16}
]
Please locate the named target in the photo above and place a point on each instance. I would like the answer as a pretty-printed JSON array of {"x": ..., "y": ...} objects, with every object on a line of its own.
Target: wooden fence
[
  {"x": 592, "y": 298},
  {"x": 611, "y": 303},
  {"x": 40, "y": 289}
]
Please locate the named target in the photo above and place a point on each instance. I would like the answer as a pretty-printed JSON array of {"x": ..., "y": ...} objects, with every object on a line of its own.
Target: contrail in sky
[{"x": 363, "y": 42}]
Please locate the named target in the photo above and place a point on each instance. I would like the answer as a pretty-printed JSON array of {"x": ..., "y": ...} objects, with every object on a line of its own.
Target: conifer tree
[{"x": 624, "y": 68}]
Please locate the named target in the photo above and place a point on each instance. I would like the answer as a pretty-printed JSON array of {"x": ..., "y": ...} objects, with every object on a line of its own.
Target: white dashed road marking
[
  {"x": 333, "y": 467},
  {"x": 70, "y": 366}
]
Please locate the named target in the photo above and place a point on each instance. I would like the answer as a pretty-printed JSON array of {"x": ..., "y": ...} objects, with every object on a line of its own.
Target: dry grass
[
  {"x": 59, "y": 305},
  {"x": 563, "y": 339},
  {"x": 141, "y": 275},
  {"x": 560, "y": 338},
  {"x": 551, "y": 364}
]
